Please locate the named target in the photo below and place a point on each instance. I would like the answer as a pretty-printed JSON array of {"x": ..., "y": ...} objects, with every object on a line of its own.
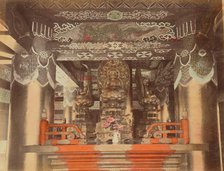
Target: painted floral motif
[{"x": 113, "y": 124}]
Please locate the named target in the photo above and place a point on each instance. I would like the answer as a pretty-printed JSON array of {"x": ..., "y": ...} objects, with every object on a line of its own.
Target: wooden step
[{"x": 136, "y": 157}]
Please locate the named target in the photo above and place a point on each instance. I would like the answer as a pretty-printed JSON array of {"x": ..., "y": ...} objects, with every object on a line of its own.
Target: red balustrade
[
  {"x": 168, "y": 133},
  {"x": 59, "y": 133},
  {"x": 157, "y": 133}
]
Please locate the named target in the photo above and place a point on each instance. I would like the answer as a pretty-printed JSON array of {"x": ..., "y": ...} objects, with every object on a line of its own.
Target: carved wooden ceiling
[
  {"x": 112, "y": 29},
  {"x": 112, "y": 4},
  {"x": 145, "y": 33}
]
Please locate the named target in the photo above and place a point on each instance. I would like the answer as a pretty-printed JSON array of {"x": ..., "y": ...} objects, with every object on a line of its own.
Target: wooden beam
[
  {"x": 65, "y": 78},
  {"x": 149, "y": 149},
  {"x": 9, "y": 41},
  {"x": 6, "y": 62},
  {"x": 6, "y": 54},
  {"x": 3, "y": 26}
]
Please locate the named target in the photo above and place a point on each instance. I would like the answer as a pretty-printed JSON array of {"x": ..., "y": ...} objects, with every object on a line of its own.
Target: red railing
[
  {"x": 157, "y": 133},
  {"x": 168, "y": 133},
  {"x": 59, "y": 133}
]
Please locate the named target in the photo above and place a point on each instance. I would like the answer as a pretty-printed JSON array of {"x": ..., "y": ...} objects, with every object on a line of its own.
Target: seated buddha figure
[
  {"x": 113, "y": 81},
  {"x": 113, "y": 93}
]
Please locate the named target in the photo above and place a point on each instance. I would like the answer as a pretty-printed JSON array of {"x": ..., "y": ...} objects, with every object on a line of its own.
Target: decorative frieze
[
  {"x": 114, "y": 32},
  {"x": 103, "y": 41},
  {"x": 113, "y": 50},
  {"x": 73, "y": 55},
  {"x": 165, "y": 31},
  {"x": 113, "y": 15},
  {"x": 63, "y": 28},
  {"x": 123, "y": 46}
]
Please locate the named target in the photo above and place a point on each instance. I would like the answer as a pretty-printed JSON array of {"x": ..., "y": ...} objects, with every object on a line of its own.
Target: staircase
[
  {"x": 117, "y": 157},
  {"x": 165, "y": 148}
]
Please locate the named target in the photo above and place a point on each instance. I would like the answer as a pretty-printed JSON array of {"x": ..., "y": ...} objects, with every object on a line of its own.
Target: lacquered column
[
  {"x": 29, "y": 97},
  {"x": 198, "y": 103},
  {"x": 196, "y": 93},
  {"x": 221, "y": 109},
  {"x": 219, "y": 56},
  {"x": 26, "y": 105}
]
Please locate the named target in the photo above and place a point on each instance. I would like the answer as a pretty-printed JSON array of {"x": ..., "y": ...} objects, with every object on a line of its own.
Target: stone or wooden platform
[{"x": 137, "y": 157}]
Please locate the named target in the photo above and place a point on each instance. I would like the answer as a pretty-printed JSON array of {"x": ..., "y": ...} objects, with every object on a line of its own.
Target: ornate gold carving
[
  {"x": 114, "y": 82},
  {"x": 83, "y": 101},
  {"x": 148, "y": 100},
  {"x": 114, "y": 74}
]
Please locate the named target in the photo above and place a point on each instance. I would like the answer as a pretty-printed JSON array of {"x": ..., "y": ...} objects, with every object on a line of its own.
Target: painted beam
[{"x": 64, "y": 78}]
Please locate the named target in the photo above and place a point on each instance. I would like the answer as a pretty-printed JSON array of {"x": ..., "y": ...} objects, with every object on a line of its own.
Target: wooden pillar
[
  {"x": 196, "y": 99},
  {"x": 68, "y": 102},
  {"x": 31, "y": 93},
  {"x": 219, "y": 35},
  {"x": 5, "y": 79},
  {"x": 198, "y": 103}
]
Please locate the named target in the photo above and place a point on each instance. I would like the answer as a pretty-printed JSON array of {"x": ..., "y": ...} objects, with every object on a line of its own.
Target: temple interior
[{"x": 111, "y": 85}]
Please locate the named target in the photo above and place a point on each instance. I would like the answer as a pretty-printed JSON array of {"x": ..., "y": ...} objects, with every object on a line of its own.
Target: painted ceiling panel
[{"x": 110, "y": 31}]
